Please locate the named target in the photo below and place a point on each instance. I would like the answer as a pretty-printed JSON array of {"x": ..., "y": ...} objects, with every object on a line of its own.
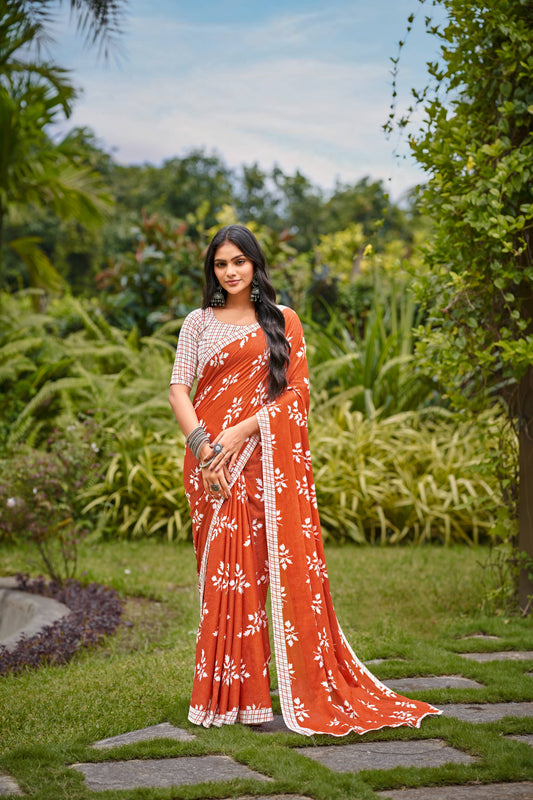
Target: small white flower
[
  {"x": 11, "y": 502},
  {"x": 95, "y": 448},
  {"x": 127, "y": 571},
  {"x": 34, "y": 490}
]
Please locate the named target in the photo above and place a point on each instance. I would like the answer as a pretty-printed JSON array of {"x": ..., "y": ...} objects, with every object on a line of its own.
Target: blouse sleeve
[{"x": 186, "y": 361}]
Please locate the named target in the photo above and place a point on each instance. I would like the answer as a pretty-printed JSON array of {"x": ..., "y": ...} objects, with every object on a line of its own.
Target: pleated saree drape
[{"x": 268, "y": 533}]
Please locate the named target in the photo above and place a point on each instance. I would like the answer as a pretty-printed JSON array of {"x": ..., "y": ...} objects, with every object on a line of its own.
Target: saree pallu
[{"x": 268, "y": 532}]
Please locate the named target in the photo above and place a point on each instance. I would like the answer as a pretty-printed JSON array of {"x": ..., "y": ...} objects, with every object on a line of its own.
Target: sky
[{"x": 302, "y": 85}]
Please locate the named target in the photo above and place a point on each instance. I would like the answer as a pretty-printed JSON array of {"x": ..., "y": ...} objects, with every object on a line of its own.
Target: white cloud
[{"x": 273, "y": 93}]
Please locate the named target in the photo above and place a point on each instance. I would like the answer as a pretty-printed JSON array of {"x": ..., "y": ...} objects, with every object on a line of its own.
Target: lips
[{"x": 232, "y": 283}]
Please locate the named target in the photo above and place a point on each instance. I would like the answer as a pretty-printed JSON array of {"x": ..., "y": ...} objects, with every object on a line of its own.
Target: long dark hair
[{"x": 269, "y": 316}]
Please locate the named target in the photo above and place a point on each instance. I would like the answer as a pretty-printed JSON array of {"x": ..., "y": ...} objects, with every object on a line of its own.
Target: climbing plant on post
[{"x": 476, "y": 144}]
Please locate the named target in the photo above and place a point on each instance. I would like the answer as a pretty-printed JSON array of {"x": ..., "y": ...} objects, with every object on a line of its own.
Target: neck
[{"x": 239, "y": 304}]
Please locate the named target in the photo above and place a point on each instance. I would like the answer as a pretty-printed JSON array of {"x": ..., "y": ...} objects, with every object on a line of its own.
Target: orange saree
[{"x": 268, "y": 533}]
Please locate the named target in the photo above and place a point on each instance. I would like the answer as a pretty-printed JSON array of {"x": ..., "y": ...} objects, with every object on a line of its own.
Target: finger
[{"x": 221, "y": 466}]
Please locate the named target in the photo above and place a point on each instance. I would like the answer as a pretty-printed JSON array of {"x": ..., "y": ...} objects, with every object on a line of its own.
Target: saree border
[{"x": 280, "y": 647}]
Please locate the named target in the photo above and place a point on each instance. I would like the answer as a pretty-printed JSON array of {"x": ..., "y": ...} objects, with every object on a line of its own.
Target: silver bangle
[
  {"x": 206, "y": 463},
  {"x": 196, "y": 439}
]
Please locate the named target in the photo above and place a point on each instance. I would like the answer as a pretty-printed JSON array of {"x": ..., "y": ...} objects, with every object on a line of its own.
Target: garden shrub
[
  {"x": 406, "y": 478},
  {"x": 411, "y": 477},
  {"x": 40, "y": 495}
]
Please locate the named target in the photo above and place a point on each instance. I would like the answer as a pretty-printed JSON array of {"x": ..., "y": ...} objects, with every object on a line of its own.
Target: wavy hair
[{"x": 269, "y": 316}]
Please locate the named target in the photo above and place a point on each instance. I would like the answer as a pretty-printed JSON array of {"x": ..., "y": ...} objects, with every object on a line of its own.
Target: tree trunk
[{"x": 525, "y": 507}]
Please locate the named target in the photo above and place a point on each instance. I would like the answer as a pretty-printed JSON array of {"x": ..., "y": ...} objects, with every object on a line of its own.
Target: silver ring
[
  {"x": 217, "y": 448},
  {"x": 215, "y": 487}
]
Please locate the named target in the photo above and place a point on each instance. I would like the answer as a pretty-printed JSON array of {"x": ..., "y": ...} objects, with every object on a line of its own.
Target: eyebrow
[{"x": 224, "y": 261}]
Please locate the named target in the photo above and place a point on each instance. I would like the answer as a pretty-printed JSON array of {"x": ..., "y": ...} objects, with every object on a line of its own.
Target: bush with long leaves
[
  {"x": 410, "y": 477},
  {"x": 389, "y": 467},
  {"x": 371, "y": 364}
]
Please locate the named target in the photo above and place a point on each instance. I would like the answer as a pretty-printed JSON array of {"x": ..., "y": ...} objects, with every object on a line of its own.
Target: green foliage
[
  {"x": 142, "y": 491},
  {"x": 404, "y": 478},
  {"x": 393, "y": 480},
  {"x": 371, "y": 364},
  {"x": 386, "y": 474},
  {"x": 477, "y": 145},
  {"x": 40, "y": 495},
  {"x": 70, "y": 361},
  {"x": 34, "y": 171},
  {"x": 159, "y": 281}
]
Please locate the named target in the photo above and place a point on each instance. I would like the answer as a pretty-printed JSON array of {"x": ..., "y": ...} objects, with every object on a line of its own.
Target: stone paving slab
[
  {"x": 162, "y": 731},
  {"x": 432, "y": 682},
  {"x": 163, "y": 772},
  {"x": 526, "y": 739},
  {"x": 386, "y": 755},
  {"x": 486, "y": 712},
  {"x": 481, "y": 636},
  {"x": 9, "y": 786},
  {"x": 503, "y": 655},
  {"x": 493, "y": 791}
]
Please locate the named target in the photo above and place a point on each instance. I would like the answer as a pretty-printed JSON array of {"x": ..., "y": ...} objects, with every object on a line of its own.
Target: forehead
[{"x": 226, "y": 251}]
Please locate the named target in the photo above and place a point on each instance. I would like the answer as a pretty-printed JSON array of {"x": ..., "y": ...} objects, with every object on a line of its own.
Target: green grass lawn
[{"x": 410, "y": 605}]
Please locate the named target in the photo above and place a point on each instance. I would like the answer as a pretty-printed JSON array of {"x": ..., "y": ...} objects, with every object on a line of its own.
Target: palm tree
[
  {"x": 100, "y": 20},
  {"x": 33, "y": 169}
]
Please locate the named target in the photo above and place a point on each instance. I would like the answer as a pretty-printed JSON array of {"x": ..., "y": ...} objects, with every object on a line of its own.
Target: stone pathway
[
  {"x": 162, "y": 731},
  {"x": 494, "y": 791},
  {"x": 503, "y": 655},
  {"x": 341, "y": 758},
  {"x": 486, "y": 712},
  {"x": 160, "y": 772},
  {"x": 433, "y": 682},
  {"x": 9, "y": 786},
  {"x": 386, "y": 755},
  {"x": 527, "y": 739}
]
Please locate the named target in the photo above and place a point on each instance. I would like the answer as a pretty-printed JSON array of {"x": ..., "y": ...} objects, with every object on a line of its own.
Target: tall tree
[
  {"x": 476, "y": 144},
  {"x": 34, "y": 171}
]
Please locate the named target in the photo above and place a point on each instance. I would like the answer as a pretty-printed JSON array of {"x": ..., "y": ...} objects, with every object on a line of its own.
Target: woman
[{"x": 249, "y": 482}]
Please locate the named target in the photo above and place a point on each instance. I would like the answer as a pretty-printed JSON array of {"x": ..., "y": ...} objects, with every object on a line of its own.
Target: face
[{"x": 233, "y": 269}]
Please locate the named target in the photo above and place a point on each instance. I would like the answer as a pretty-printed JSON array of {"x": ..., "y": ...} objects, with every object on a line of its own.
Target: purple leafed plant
[{"x": 95, "y": 612}]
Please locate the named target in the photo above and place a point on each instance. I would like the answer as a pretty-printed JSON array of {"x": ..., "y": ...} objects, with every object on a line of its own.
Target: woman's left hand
[{"x": 231, "y": 440}]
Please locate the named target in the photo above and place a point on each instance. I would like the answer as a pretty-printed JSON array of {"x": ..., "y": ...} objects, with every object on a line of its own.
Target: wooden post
[{"x": 525, "y": 502}]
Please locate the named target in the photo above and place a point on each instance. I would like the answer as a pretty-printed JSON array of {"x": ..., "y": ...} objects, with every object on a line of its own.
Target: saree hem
[{"x": 248, "y": 716}]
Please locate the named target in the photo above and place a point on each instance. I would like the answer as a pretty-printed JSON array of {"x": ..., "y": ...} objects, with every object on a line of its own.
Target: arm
[
  {"x": 185, "y": 414},
  {"x": 231, "y": 439}
]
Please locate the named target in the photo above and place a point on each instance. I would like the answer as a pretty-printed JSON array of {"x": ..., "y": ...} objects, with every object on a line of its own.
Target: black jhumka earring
[
  {"x": 218, "y": 298},
  {"x": 255, "y": 295}
]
